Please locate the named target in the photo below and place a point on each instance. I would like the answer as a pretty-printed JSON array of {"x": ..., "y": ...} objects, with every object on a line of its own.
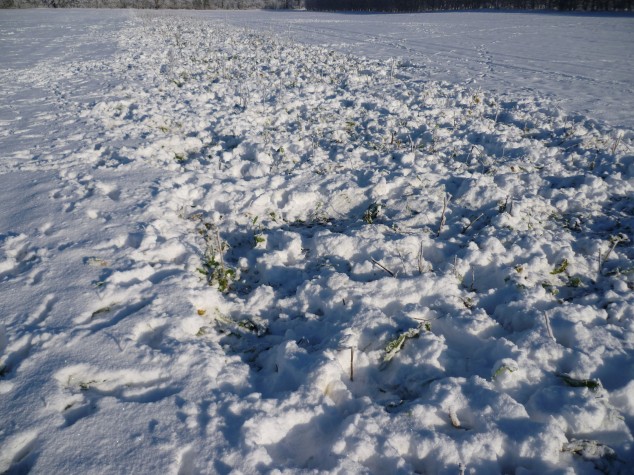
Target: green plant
[
  {"x": 553, "y": 290},
  {"x": 370, "y": 215},
  {"x": 395, "y": 345},
  {"x": 213, "y": 265},
  {"x": 319, "y": 214},
  {"x": 561, "y": 268},
  {"x": 504, "y": 369},
  {"x": 574, "y": 282},
  {"x": 593, "y": 384},
  {"x": 258, "y": 231}
]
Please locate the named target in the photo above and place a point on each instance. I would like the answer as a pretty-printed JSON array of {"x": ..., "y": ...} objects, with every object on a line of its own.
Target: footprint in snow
[
  {"x": 109, "y": 315},
  {"x": 17, "y": 256},
  {"x": 43, "y": 310},
  {"x": 17, "y": 455},
  {"x": 84, "y": 386},
  {"x": 151, "y": 333},
  {"x": 16, "y": 352}
]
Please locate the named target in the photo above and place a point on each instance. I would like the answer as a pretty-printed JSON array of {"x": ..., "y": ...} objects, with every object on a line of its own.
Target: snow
[
  {"x": 223, "y": 250},
  {"x": 583, "y": 62}
]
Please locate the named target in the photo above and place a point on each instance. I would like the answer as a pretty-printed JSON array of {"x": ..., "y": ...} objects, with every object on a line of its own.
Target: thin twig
[
  {"x": 616, "y": 143},
  {"x": 464, "y": 230},
  {"x": 400, "y": 255},
  {"x": 220, "y": 250},
  {"x": 444, "y": 210},
  {"x": 607, "y": 254},
  {"x": 549, "y": 329},
  {"x": 615, "y": 240},
  {"x": 469, "y": 155},
  {"x": 351, "y": 364},
  {"x": 472, "y": 287},
  {"x": 377, "y": 263},
  {"x": 420, "y": 258}
]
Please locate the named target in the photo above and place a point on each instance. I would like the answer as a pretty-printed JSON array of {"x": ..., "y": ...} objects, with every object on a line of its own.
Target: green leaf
[
  {"x": 502, "y": 369},
  {"x": 396, "y": 345},
  {"x": 371, "y": 213},
  {"x": 560, "y": 268},
  {"x": 574, "y": 282},
  {"x": 580, "y": 383}
]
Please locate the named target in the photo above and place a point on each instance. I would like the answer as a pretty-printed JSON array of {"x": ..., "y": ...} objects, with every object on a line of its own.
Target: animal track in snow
[
  {"x": 43, "y": 310},
  {"x": 85, "y": 386},
  {"x": 16, "y": 255},
  {"x": 16, "y": 352},
  {"x": 151, "y": 333},
  {"x": 110, "y": 315},
  {"x": 14, "y": 456}
]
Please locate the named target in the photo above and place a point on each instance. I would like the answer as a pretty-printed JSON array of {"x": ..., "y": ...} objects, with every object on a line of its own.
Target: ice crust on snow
[{"x": 212, "y": 237}]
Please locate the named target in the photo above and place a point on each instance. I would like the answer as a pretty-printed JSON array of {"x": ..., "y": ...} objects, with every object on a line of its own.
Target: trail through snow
[{"x": 224, "y": 251}]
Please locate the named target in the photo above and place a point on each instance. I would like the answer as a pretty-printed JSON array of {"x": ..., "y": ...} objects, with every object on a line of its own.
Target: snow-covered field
[
  {"x": 226, "y": 251},
  {"x": 585, "y": 63}
]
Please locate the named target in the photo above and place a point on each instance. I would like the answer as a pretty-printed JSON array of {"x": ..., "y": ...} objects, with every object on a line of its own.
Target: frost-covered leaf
[
  {"x": 395, "y": 345},
  {"x": 370, "y": 215},
  {"x": 604, "y": 458}
]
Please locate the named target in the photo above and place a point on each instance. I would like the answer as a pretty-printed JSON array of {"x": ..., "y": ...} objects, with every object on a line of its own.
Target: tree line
[
  {"x": 156, "y": 4},
  {"x": 448, "y": 5},
  {"x": 338, "y": 5}
]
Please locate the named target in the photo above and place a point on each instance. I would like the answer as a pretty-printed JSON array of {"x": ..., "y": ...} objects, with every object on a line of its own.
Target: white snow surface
[
  {"x": 584, "y": 62},
  {"x": 223, "y": 250}
]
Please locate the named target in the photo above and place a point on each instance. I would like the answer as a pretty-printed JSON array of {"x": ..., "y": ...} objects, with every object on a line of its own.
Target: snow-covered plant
[
  {"x": 604, "y": 458},
  {"x": 213, "y": 264},
  {"x": 258, "y": 231},
  {"x": 396, "y": 345},
  {"x": 593, "y": 384},
  {"x": 372, "y": 213},
  {"x": 614, "y": 241},
  {"x": 504, "y": 367}
]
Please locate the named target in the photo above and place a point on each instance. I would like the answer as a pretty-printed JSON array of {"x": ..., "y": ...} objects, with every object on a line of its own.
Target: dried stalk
[
  {"x": 377, "y": 263},
  {"x": 420, "y": 258},
  {"x": 466, "y": 228},
  {"x": 351, "y": 364},
  {"x": 443, "y": 219}
]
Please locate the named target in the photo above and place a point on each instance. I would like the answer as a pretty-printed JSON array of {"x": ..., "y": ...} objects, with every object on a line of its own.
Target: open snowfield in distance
[
  {"x": 225, "y": 250},
  {"x": 585, "y": 61}
]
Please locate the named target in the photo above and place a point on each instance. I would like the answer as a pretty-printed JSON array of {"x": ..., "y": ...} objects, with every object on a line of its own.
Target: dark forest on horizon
[
  {"x": 452, "y": 5},
  {"x": 339, "y": 5}
]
